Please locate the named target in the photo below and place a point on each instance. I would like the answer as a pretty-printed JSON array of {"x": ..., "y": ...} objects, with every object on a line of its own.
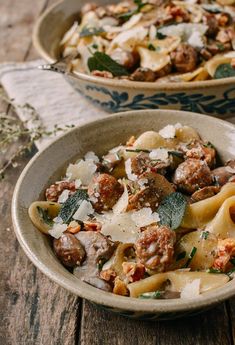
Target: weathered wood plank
[
  {"x": 100, "y": 327},
  {"x": 33, "y": 310}
]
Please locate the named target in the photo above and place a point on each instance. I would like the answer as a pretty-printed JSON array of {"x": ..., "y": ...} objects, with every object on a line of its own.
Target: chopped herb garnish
[
  {"x": 172, "y": 209},
  {"x": 220, "y": 46},
  {"x": 126, "y": 16},
  {"x": 209, "y": 144},
  {"x": 43, "y": 213},
  {"x": 181, "y": 256},
  {"x": 86, "y": 32},
  {"x": 160, "y": 36},
  {"x": 214, "y": 270},
  {"x": 190, "y": 257},
  {"x": 232, "y": 261},
  {"x": 151, "y": 47},
  {"x": 95, "y": 46},
  {"x": 102, "y": 62},
  {"x": 138, "y": 150},
  {"x": 71, "y": 205},
  {"x": 176, "y": 153},
  {"x": 204, "y": 235},
  {"x": 224, "y": 70},
  {"x": 151, "y": 295}
]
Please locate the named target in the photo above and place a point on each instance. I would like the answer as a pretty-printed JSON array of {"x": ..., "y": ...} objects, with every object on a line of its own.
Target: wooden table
[{"x": 34, "y": 310}]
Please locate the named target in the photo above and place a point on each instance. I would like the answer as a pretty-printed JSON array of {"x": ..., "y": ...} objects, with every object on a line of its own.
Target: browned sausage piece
[
  {"x": 155, "y": 248},
  {"x": 191, "y": 175},
  {"x": 54, "y": 191},
  {"x": 224, "y": 174},
  {"x": 104, "y": 191},
  {"x": 143, "y": 74},
  {"x": 69, "y": 250},
  {"x": 204, "y": 193},
  {"x": 184, "y": 58},
  {"x": 147, "y": 197}
]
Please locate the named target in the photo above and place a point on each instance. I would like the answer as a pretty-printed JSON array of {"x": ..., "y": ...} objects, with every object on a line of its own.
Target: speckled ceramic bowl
[
  {"x": 214, "y": 97},
  {"x": 99, "y": 136}
]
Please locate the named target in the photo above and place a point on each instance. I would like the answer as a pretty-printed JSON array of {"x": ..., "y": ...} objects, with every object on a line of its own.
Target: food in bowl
[
  {"x": 153, "y": 218},
  {"x": 148, "y": 41}
]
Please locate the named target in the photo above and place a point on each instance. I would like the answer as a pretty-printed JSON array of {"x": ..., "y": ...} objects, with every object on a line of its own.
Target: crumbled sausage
[
  {"x": 109, "y": 275},
  {"x": 141, "y": 163},
  {"x": 192, "y": 175},
  {"x": 143, "y": 74},
  {"x": 92, "y": 225},
  {"x": 184, "y": 58},
  {"x": 54, "y": 191},
  {"x": 103, "y": 74},
  {"x": 204, "y": 193},
  {"x": 198, "y": 150},
  {"x": 133, "y": 271},
  {"x": 226, "y": 250},
  {"x": 104, "y": 191},
  {"x": 211, "y": 21},
  {"x": 155, "y": 248},
  {"x": 120, "y": 287},
  {"x": 69, "y": 250}
]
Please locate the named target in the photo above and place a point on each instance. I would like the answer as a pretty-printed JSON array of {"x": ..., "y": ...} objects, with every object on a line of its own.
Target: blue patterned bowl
[
  {"x": 215, "y": 97},
  {"x": 101, "y": 135}
]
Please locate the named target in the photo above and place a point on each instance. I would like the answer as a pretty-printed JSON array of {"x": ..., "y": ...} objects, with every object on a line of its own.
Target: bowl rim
[
  {"x": 121, "y": 83},
  {"x": 91, "y": 293}
]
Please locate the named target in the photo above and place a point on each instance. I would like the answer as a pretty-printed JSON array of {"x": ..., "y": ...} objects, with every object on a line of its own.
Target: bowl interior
[{"x": 99, "y": 136}]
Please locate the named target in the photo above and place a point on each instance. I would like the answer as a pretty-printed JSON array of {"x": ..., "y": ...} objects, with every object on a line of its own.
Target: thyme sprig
[{"x": 27, "y": 132}]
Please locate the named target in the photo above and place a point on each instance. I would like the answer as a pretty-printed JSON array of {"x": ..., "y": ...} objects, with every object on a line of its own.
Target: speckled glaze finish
[
  {"x": 100, "y": 136},
  {"x": 214, "y": 97}
]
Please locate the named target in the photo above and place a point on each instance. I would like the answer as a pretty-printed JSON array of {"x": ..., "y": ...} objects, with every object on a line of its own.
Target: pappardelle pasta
[
  {"x": 153, "y": 218},
  {"x": 153, "y": 40}
]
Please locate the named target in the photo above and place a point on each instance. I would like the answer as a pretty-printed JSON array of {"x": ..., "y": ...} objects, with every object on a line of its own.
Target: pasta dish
[
  {"x": 152, "y": 218},
  {"x": 153, "y": 40}
]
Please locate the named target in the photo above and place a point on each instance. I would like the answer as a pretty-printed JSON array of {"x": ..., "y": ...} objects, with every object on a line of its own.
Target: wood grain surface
[{"x": 34, "y": 310}]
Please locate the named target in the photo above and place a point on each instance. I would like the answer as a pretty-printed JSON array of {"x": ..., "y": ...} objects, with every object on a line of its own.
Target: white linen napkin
[{"x": 53, "y": 98}]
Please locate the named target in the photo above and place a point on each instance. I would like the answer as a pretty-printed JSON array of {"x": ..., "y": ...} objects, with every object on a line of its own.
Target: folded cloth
[{"x": 54, "y": 100}]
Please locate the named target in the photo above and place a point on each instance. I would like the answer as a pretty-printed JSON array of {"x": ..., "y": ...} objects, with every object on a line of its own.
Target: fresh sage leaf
[
  {"x": 102, "y": 62},
  {"x": 224, "y": 70},
  {"x": 172, "y": 209},
  {"x": 71, "y": 205},
  {"x": 86, "y": 32},
  {"x": 43, "y": 213}
]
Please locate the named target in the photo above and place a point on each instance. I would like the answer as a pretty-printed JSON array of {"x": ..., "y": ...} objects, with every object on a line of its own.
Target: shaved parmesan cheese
[
  {"x": 142, "y": 182},
  {"x": 83, "y": 211},
  {"x": 89, "y": 20},
  {"x": 153, "y": 59},
  {"x": 120, "y": 227},
  {"x": 116, "y": 149},
  {"x": 195, "y": 40},
  {"x": 191, "y": 290},
  {"x": 58, "y": 220},
  {"x": 91, "y": 156},
  {"x": 183, "y": 30},
  {"x": 128, "y": 169},
  {"x": 132, "y": 21},
  {"x": 152, "y": 32},
  {"x": 144, "y": 217},
  {"x": 63, "y": 196},
  {"x": 83, "y": 170},
  {"x": 68, "y": 35},
  {"x": 122, "y": 202},
  {"x": 161, "y": 154},
  {"x": 178, "y": 125},
  {"x": 78, "y": 183},
  {"x": 127, "y": 40},
  {"x": 168, "y": 132},
  {"x": 57, "y": 230}
]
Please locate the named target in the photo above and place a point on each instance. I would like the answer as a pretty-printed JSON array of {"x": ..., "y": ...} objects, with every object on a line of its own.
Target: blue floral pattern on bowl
[{"x": 197, "y": 102}]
